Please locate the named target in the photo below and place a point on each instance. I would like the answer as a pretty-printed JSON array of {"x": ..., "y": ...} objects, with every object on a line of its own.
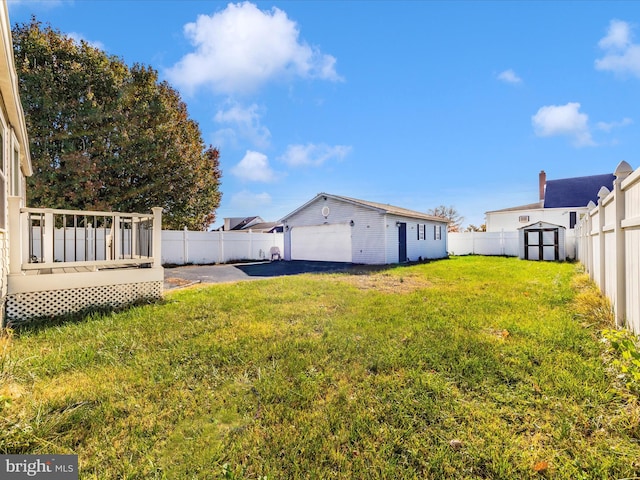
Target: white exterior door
[{"x": 325, "y": 243}]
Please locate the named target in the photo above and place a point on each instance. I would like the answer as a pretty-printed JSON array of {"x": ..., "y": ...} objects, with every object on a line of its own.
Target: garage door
[{"x": 325, "y": 243}]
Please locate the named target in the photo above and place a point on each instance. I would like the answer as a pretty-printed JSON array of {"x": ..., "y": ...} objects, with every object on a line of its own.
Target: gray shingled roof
[{"x": 577, "y": 191}]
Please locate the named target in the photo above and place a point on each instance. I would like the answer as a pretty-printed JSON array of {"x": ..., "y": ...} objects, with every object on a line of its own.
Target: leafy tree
[
  {"x": 449, "y": 213},
  {"x": 474, "y": 228},
  {"x": 108, "y": 137}
]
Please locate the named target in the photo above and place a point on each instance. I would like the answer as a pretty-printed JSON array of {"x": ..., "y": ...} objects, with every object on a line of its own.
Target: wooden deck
[{"x": 78, "y": 269}]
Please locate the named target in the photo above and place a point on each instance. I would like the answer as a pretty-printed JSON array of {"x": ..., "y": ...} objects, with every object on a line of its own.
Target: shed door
[
  {"x": 324, "y": 243},
  {"x": 541, "y": 244}
]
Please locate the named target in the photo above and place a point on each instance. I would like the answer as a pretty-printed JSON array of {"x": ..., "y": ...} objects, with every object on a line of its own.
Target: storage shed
[
  {"x": 334, "y": 228},
  {"x": 542, "y": 241}
]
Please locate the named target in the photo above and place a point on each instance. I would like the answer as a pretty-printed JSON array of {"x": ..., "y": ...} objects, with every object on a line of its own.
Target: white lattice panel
[{"x": 23, "y": 307}]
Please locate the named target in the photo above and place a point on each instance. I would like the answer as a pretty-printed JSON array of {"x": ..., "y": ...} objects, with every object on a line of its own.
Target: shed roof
[
  {"x": 576, "y": 191},
  {"x": 380, "y": 207},
  {"x": 541, "y": 224}
]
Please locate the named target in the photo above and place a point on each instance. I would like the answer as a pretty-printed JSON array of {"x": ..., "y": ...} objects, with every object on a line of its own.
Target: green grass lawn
[{"x": 472, "y": 367}]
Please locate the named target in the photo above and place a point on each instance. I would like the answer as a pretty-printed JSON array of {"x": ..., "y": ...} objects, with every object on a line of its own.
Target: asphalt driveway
[{"x": 175, "y": 277}]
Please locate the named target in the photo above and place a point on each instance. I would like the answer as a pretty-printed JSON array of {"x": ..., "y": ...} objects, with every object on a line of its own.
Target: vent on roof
[{"x": 523, "y": 218}]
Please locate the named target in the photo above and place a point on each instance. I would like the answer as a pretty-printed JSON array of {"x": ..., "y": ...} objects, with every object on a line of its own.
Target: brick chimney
[{"x": 542, "y": 182}]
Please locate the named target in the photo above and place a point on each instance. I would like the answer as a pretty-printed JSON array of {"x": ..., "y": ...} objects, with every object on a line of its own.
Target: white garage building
[{"x": 333, "y": 228}]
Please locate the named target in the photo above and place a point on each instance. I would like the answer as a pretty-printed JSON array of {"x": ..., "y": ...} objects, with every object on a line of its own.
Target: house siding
[
  {"x": 509, "y": 221},
  {"x": 367, "y": 239},
  {"x": 425, "y": 249},
  {"x": 374, "y": 237}
]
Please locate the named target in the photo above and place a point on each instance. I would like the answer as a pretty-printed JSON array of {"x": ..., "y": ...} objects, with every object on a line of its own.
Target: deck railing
[{"x": 50, "y": 238}]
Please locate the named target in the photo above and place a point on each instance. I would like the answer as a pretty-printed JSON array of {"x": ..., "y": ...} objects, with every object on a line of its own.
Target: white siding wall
[
  {"x": 367, "y": 240},
  {"x": 509, "y": 221},
  {"x": 374, "y": 238},
  {"x": 428, "y": 248}
]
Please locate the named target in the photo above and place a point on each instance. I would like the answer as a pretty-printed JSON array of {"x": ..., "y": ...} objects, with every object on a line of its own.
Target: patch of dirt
[
  {"x": 386, "y": 283},
  {"x": 177, "y": 282}
]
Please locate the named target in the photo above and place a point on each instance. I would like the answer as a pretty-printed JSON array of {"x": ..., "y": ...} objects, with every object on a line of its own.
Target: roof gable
[
  {"x": 575, "y": 192},
  {"x": 380, "y": 207},
  {"x": 542, "y": 225}
]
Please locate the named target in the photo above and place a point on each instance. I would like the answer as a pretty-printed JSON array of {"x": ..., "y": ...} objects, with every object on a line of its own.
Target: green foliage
[
  {"x": 627, "y": 349},
  {"x": 466, "y": 368},
  {"x": 108, "y": 137}
]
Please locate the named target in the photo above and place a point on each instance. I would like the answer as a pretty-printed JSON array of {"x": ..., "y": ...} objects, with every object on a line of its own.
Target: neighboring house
[
  {"x": 54, "y": 262},
  {"x": 562, "y": 202},
  {"x": 342, "y": 229},
  {"x": 254, "y": 224}
]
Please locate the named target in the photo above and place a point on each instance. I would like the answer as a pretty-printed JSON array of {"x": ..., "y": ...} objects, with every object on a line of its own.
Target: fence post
[
  {"x": 116, "y": 240},
  {"x": 185, "y": 246},
  {"x": 622, "y": 171},
  {"x": 221, "y": 245},
  {"x": 589, "y": 239},
  {"x": 602, "y": 194}
]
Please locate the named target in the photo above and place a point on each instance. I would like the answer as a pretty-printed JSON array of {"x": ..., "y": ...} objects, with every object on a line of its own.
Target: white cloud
[
  {"x": 563, "y": 120},
  {"x": 621, "y": 56},
  {"x": 509, "y": 76},
  {"x": 254, "y": 167},
  {"x": 618, "y": 36},
  {"x": 244, "y": 123},
  {"x": 608, "y": 126},
  {"x": 242, "y": 47},
  {"x": 312, "y": 154},
  {"x": 247, "y": 201}
]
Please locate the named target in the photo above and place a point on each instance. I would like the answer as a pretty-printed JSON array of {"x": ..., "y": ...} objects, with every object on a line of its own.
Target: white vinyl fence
[
  {"x": 608, "y": 245},
  {"x": 496, "y": 243},
  {"x": 483, "y": 243},
  {"x": 186, "y": 247}
]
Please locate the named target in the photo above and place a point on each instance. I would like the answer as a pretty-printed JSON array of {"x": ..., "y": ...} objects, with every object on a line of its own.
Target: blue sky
[{"x": 416, "y": 104}]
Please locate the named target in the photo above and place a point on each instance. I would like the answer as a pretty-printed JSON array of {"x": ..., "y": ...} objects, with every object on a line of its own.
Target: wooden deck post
[
  {"x": 16, "y": 236},
  {"x": 48, "y": 240},
  {"x": 116, "y": 239}
]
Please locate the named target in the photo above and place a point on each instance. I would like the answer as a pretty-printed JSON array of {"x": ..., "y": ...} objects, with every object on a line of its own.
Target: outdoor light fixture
[{"x": 352, "y": 223}]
